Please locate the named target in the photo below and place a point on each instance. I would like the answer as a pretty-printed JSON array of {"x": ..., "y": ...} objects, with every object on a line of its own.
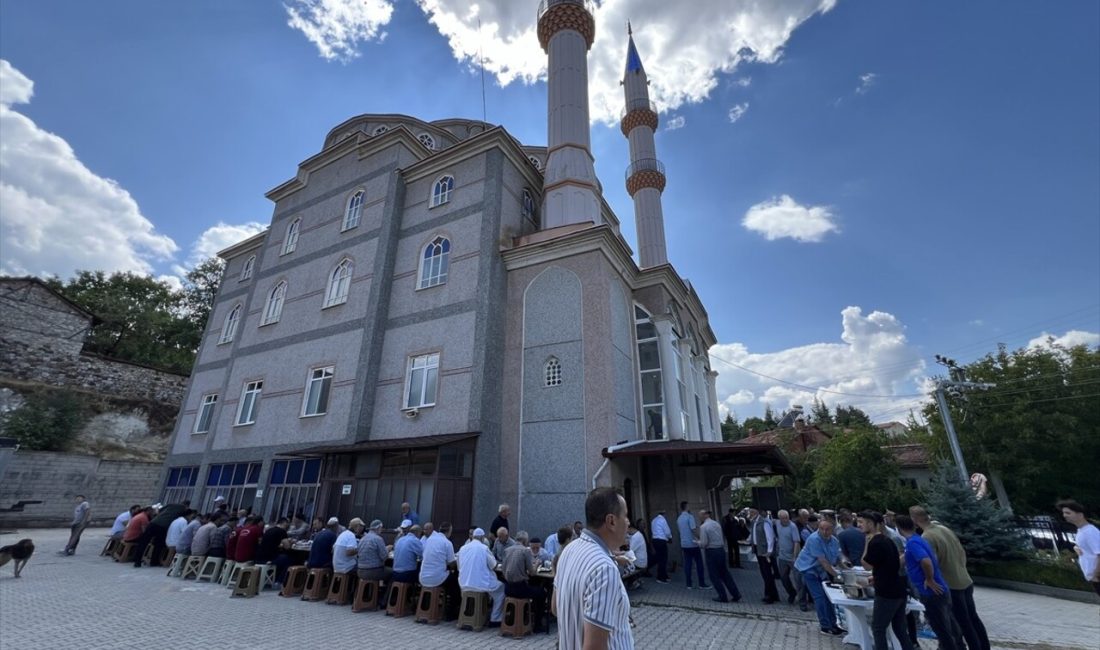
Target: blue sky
[{"x": 919, "y": 178}]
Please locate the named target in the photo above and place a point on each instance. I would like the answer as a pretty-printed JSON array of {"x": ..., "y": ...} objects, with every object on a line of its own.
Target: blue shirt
[
  {"x": 320, "y": 553},
  {"x": 686, "y": 523},
  {"x": 917, "y": 549},
  {"x": 406, "y": 552},
  {"x": 852, "y": 540},
  {"x": 817, "y": 547},
  {"x": 411, "y": 516}
]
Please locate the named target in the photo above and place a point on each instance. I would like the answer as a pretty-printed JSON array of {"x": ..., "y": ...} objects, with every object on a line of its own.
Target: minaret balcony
[
  {"x": 556, "y": 15},
  {"x": 638, "y": 112},
  {"x": 647, "y": 172}
]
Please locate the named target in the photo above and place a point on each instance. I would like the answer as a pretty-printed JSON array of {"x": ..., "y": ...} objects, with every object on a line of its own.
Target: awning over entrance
[
  {"x": 732, "y": 457},
  {"x": 417, "y": 442}
]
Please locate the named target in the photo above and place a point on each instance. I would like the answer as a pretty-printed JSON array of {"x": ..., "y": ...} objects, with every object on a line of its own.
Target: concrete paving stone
[{"x": 93, "y": 603}]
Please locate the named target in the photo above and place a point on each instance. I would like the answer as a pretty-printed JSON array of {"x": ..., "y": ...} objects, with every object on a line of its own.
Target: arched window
[
  {"x": 380, "y": 129},
  {"x": 249, "y": 265},
  {"x": 535, "y": 162},
  {"x": 441, "y": 192},
  {"x": 291, "y": 241},
  {"x": 427, "y": 140},
  {"x": 229, "y": 326},
  {"x": 434, "y": 262},
  {"x": 529, "y": 208},
  {"x": 274, "y": 307},
  {"x": 553, "y": 372},
  {"x": 355, "y": 207},
  {"x": 649, "y": 366},
  {"x": 339, "y": 283}
]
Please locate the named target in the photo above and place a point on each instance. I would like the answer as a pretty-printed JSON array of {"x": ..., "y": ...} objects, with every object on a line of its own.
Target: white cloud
[
  {"x": 675, "y": 122},
  {"x": 977, "y": 322},
  {"x": 783, "y": 217},
  {"x": 866, "y": 80},
  {"x": 337, "y": 27},
  {"x": 221, "y": 236},
  {"x": 58, "y": 215},
  {"x": 738, "y": 111},
  {"x": 683, "y": 51},
  {"x": 873, "y": 357},
  {"x": 1068, "y": 340},
  {"x": 744, "y": 82}
]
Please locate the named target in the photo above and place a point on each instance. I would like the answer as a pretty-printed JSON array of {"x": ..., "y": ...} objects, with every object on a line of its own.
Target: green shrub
[
  {"x": 1033, "y": 572},
  {"x": 45, "y": 422}
]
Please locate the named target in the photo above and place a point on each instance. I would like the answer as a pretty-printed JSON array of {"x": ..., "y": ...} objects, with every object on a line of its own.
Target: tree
[
  {"x": 851, "y": 416},
  {"x": 986, "y": 531},
  {"x": 755, "y": 424},
  {"x": 730, "y": 429},
  {"x": 820, "y": 413},
  {"x": 855, "y": 472},
  {"x": 200, "y": 288},
  {"x": 769, "y": 418},
  {"x": 45, "y": 422},
  {"x": 1038, "y": 429}
]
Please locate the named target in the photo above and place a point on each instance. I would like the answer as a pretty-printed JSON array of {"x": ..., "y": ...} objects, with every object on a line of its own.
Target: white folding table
[{"x": 857, "y": 614}]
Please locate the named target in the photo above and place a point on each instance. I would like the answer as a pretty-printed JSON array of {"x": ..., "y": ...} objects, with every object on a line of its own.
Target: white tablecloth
[{"x": 857, "y": 614}]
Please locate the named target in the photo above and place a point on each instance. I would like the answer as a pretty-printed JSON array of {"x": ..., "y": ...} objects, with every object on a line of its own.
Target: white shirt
[
  {"x": 769, "y": 534},
  {"x": 637, "y": 546},
  {"x": 341, "y": 561},
  {"x": 1088, "y": 539},
  {"x": 120, "y": 523},
  {"x": 551, "y": 544},
  {"x": 477, "y": 568},
  {"x": 659, "y": 528},
  {"x": 174, "y": 531},
  {"x": 438, "y": 553},
  {"x": 588, "y": 589}
]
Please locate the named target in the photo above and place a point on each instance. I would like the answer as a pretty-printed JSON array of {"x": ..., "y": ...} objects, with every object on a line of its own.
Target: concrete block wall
[{"x": 56, "y": 478}]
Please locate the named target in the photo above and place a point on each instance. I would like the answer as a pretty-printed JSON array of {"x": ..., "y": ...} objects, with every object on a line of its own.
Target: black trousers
[
  {"x": 937, "y": 610},
  {"x": 720, "y": 575},
  {"x": 535, "y": 593},
  {"x": 660, "y": 558},
  {"x": 890, "y": 613},
  {"x": 966, "y": 615},
  {"x": 765, "y": 564},
  {"x": 154, "y": 534},
  {"x": 733, "y": 551}
]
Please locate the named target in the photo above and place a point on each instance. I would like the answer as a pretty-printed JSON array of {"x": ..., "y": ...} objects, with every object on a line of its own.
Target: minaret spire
[
  {"x": 645, "y": 178},
  {"x": 571, "y": 194}
]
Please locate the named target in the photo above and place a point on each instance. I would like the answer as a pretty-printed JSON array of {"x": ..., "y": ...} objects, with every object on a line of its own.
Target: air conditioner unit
[{"x": 412, "y": 413}]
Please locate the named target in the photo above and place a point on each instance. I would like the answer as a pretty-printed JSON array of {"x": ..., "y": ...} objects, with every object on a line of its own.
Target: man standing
[
  {"x": 762, "y": 539},
  {"x": 851, "y": 539},
  {"x": 787, "y": 544},
  {"x": 710, "y": 540},
  {"x": 589, "y": 597},
  {"x": 436, "y": 569},
  {"x": 477, "y": 572},
  {"x": 408, "y": 513},
  {"x": 662, "y": 535},
  {"x": 689, "y": 545},
  {"x": 924, "y": 573},
  {"x": 734, "y": 532},
  {"x": 503, "y": 512},
  {"x": 952, "y": 558},
  {"x": 891, "y": 589},
  {"x": 817, "y": 562},
  {"x": 1088, "y": 541},
  {"x": 82, "y": 514}
]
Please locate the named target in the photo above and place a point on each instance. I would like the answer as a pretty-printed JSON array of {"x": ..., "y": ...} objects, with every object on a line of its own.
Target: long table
[{"x": 857, "y": 614}]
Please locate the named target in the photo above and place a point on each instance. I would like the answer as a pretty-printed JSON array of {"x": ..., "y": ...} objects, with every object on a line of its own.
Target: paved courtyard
[{"x": 90, "y": 602}]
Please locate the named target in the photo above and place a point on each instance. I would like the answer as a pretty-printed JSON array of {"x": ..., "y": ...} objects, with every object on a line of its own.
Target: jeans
[
  {"x": 74, "y": 537},
  {"x": 771, "y": 594},
  {"x": 937, "y": 610},
  {"x": 890, "y": 612},
  {"x": 962, "y": 604},
  {"x": 660, "y": 558},
  {"x": 694, "y": 555},
  {"x": 786, "y": 570},
  {"x": 720, "y": 575},
  {"x": 826, "y": 613}
]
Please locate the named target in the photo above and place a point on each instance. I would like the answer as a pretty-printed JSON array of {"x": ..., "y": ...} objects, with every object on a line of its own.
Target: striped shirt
[{"x": 588, "y": 589}]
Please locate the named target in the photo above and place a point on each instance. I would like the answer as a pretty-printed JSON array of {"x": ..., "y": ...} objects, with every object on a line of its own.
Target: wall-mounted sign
[{"x": 345, "y": 489}]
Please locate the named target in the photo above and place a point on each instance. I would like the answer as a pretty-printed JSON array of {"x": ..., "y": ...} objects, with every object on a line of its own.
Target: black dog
[{"x": 20, "y": 551}]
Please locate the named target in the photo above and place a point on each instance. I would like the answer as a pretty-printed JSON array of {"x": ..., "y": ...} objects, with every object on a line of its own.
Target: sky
[{"x": 853, "y": 186}]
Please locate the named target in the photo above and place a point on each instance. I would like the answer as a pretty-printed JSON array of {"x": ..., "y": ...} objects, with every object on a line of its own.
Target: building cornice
[
  {"x": 255, "y": 241},
  {"x": 495, "y": 138}
]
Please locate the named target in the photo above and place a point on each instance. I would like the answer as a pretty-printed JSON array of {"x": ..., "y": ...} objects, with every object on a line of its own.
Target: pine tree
[
  {"x": 769, "y": 417},
  {"x": 820, "y": 413},
  {"x": 986, "y": 531}
]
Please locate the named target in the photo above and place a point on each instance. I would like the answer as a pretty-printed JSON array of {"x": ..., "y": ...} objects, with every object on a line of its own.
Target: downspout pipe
[{"x": 607, "y": 461}]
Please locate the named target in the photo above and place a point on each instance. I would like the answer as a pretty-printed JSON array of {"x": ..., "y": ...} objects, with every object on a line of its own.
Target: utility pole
[{"x": 955, "y": 385}]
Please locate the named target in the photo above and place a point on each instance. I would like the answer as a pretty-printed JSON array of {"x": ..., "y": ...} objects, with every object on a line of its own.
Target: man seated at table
[
  {"x": 638, "y": 546},
  {"x": 121, "y": 521},
  {"x": 477, "y": 572},
  {"x": 539, "y": 552},
  {"x": 817, "y": 562},
  {"x": 502, "y": 543},
  {"x": 519, "y": 566},
  {"x": 187, "y": 535},
  {"x": 891, "y": 587},
  {"x": 372, "y": 554},
  {"x": 298, "y": 529},
  {"x": 346, "y": 549},
  {"x": 138, "y": 523},
  {"x": 200, "y": 544},
  {"x": 407, "y": 553},
  {"x": 172, "y": 537},
  {"x": 436, "y": 570},
  {"x": 248, "y": 539},
  {"x": 219, "y": 537},
  {"x": 320, "y": 552},
  {"x": 272, "y": 549}
]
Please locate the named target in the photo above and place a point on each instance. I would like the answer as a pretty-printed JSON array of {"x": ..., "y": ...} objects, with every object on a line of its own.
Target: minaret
[
  {"x": 571, "y": 192},
  {"x": 645, "y": 178}
]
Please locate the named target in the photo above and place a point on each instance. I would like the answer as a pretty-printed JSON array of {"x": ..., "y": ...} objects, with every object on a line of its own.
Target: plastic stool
[
  {"x": 248, "y": 582},
  {"x": 227, "y": 572},
  {"x": 295, "y": 581},
  {"x": 340, "y": 589},
  {"x": 147, "y": 556},
  {"x": 429, "y": 606},
  {"x": 235, "y": 574},
  {"x": 397, "y": 601},
  {"x": 167, "y": 556},
  {"x": 317, "y": 583},
  {"x": 366, "y": 596},
  {"x": 474, "y": 612},
  {"x": 267, "y": 573},
  {"x": 517, "y": 618},
  {"x": 176, "y": 568},
  {"x": 210, "y": 570},
  {"x": 110, "y": 547},
  {"x": 191, "y": 567},
  {"x": 125, "y": 552}
]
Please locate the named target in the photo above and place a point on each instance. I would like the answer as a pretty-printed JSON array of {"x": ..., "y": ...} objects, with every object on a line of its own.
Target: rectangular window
[
  {"x": 294, "y": 487},
  {"x": 421, "y": 381},
  {"x": 180, "y": 484},
  {"x": 236, "y": 482},
  {"x": 206, "y": 413},
  {"x": 250, "y": 402},
  {"x": 317, "y": 391}
]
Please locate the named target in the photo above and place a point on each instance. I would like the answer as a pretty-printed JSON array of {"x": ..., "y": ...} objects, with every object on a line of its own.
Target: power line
[{"x": 812, "y": 388}]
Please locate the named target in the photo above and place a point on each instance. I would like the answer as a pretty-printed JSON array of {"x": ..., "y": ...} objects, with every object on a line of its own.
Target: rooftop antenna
[{"x": 481, "y": 64}]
